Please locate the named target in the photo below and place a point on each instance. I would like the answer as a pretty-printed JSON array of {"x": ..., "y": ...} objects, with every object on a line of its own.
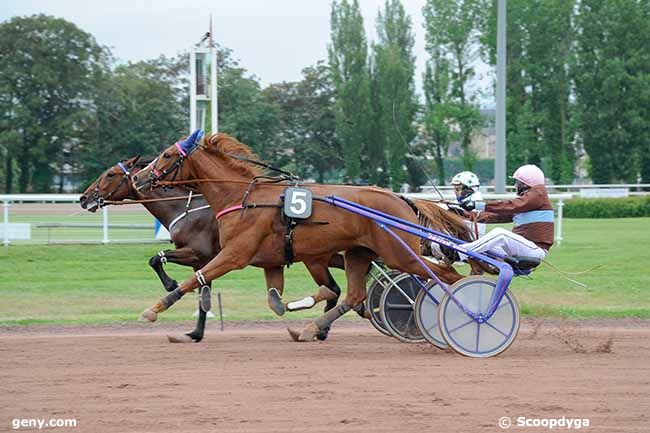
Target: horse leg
[
  {"x": 320, "y": 274},
  {"x": 356, "y": 264},
  {"x": 181, "y": 256},
  {"x": 235, "y": 256},
  {"x": 337, "y": 261},
  {"x": 197, "y": 334},
  {"x": 275, "y": 286},
  {"x": 328, "y": 290}
]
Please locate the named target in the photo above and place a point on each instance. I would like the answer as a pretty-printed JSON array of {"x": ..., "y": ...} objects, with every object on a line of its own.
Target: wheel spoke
[
  {"x": 391, "y": 306},
  {"x": 478, "y": 333},
  {"x": 505, "y": 304},
  {"x": 460, "y": 326},
  {"x": 409, "y": 323},
  {"x": 496, "y": 329}
]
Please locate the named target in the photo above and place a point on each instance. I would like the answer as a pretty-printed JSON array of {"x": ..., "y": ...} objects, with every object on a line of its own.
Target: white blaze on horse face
[{"x": 302, "y": 304}]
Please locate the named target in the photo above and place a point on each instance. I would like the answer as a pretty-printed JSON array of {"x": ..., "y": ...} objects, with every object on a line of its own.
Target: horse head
[{"x": 113, "y": 184}]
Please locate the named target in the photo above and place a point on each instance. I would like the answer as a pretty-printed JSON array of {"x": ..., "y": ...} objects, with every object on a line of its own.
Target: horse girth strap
[{"x": 288, "y": 237}]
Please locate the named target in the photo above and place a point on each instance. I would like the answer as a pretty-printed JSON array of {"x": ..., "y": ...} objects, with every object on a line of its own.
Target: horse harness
[
  {"x": 290, "y": 223},
  {"x": 187, "y": 211}
]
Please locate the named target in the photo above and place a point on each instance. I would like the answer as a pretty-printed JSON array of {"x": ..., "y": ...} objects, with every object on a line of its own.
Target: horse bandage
[{"x": 302, "y": 304}]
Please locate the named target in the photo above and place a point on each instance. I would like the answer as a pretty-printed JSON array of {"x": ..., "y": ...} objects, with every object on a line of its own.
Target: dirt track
[{"x": 252, "y": 378}]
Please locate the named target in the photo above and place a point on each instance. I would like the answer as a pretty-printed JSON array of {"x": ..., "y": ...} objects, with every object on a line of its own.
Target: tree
[
  {"x": 307, "y": 123},
  {"x": 139, "y": 109},
  {"x": 539, "y": 109},
  {"x": 245, "y": 113},
  {"x": 438, "y": 110},
  {"x": 612, "y": 72},
  {"x": 452, "y": 27},
  {"x": 394, "y": 100},
  {"x": 49, "y": 67},
  {"x": 348, "y": 53}
]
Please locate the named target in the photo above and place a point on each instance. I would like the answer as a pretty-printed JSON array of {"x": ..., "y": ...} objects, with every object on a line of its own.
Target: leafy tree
[
  {"x": 522, "y": 129},
  {"x": 452, "y": 28},
  {"x": 140, "y": 108},
  {"x": 540, "y": 126},
  {"x": 611, "y": 73},
  {"x": 49, "y": 68},
  {"x": 307, "y": 124},
  {"x": 394, "y": 99},
  {"x": 245, "y": 113},
  {"x": 438, "y": 110},
  {"x": 348, "y": 53}
]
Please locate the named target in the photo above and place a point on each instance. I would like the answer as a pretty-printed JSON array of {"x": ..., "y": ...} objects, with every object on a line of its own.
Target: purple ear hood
[{"x": 191, "y": 142}]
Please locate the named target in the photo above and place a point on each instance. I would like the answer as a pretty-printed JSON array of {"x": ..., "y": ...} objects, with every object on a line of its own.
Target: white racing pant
[{"x": 505, "y": 243}]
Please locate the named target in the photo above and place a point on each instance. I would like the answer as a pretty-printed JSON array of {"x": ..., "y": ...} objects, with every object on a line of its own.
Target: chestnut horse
[
  {"x": 195, "y": 233},
  {"x": 255, "y": 233}
]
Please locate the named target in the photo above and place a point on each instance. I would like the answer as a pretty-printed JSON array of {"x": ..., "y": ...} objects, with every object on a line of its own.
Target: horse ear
[
  {"x": 133, "y": 161},
  {"x": 191, "y": 142}
]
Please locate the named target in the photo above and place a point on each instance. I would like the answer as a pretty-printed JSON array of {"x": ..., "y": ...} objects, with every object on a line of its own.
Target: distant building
[{"x": 484, "y": 141}]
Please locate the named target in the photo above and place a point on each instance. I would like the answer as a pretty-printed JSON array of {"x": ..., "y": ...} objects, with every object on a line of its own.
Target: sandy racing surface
[{"x": 252, "y": 378}]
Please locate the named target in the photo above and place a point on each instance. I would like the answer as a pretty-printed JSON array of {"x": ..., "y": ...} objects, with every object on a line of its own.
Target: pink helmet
[{"x": 529, "y": 174}]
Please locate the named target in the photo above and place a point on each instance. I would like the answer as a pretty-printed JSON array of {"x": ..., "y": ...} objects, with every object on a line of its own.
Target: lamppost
[{"x": 500, "y": 157}]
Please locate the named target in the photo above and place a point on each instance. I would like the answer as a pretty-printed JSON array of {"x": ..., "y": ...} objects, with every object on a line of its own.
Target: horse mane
[
  {"x": 437, "y": 218},
  {"x": 223, "y": 145}
]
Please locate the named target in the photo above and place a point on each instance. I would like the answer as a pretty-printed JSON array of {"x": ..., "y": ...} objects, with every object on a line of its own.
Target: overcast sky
[{"x": 273, "y": 39}]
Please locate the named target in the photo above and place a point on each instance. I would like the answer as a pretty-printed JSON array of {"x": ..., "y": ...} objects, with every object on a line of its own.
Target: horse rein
[
  {"x": 156, "y": 176},
  {"x": 103, "y": 201}
]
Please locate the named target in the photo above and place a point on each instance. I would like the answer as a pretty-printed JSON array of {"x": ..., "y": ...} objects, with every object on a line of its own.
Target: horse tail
[{"x": 435, "y": 217}]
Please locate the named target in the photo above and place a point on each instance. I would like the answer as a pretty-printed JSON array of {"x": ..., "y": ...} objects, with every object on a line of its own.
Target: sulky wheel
[
  {"x": 426, "y": 314},
  {"x": 466, "y": 335},
  {"x": 377, "y": 283},
  {"x": 397, "y": 309}
]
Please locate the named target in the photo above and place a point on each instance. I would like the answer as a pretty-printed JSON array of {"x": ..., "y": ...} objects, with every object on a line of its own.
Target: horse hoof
[
  {"x": 295, "y": 335},
  {"x": 148, "y": 315},
  {"x": 275, "y": 302},
  {"x": 184, "y": 338},
  {"x": 307, "y": 334}
]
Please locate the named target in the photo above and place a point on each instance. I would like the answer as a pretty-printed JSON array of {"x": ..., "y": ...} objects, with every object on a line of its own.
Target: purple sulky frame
[{"x": 386, "y": 222}]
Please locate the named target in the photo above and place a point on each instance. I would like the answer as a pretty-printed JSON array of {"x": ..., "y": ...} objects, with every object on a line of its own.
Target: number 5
[{"x": 298, "y": 198}]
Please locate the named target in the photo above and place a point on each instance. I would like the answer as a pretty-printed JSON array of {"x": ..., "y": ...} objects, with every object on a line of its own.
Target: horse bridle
[
  {"x": 155, "y": 176},
  {"x": 101, "y": 201}
]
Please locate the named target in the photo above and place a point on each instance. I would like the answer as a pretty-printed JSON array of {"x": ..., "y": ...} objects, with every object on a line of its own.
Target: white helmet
[{"x": 466, "y": 178}]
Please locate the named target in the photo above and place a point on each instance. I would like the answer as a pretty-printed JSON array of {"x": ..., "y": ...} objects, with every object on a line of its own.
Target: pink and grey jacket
[{"x": 531, "y": 213}]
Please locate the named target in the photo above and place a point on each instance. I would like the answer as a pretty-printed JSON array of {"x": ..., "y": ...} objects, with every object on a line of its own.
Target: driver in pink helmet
[{"x": 532, "y": 215}]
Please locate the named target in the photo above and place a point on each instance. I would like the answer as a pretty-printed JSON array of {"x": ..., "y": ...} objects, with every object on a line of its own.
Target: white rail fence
[
  {"x": 58, "y": 218},
  {"x": 583, "y": 191}
]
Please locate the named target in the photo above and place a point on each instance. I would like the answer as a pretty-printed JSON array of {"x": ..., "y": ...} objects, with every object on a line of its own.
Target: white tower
[{"x": 203, "y": 90}]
